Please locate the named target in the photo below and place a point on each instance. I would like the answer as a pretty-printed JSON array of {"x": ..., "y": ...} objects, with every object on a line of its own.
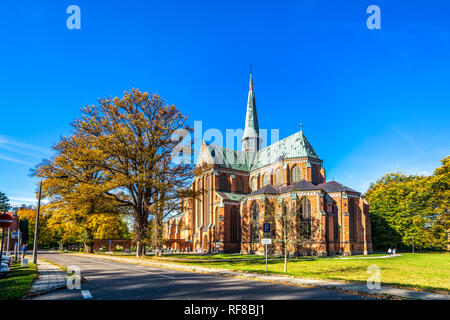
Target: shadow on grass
[{"x": 17, "y": 282}]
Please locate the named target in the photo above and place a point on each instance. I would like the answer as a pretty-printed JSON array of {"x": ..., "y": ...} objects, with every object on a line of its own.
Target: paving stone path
[{"x": 50, "y": 277}]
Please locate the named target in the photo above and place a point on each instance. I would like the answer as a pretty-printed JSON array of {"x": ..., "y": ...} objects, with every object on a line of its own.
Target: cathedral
[{"x": 283, "y": 185}]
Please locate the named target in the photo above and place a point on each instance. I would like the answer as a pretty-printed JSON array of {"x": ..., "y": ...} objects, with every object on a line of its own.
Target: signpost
[
  {"x": 266, "y": 240},
  {"x": 5, "y": 223}
]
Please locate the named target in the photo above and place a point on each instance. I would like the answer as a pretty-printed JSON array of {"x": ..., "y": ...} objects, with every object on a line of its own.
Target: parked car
[{"x": 4, "y": 268}]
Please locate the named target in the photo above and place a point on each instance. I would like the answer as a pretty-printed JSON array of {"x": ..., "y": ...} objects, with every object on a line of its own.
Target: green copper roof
[
  {"x": 294, "y": 146},
  {"x": 231, "y": 196},
  {"x": 229, "y": 158},
  {"x": 251, "y": 120}
]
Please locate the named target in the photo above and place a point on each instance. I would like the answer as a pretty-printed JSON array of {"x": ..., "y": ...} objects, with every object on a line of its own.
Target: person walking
[
  {"x": 389, "y": 252},
  {"x": 23, "y": 249},
  {"x": 394, "y": 251}
]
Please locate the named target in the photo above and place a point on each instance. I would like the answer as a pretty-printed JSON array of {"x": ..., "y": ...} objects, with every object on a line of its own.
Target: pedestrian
[
  {"x": 394, "y": 251},
  {"x": 23, "y": 249},
  {"x": 389, "y": 252}
]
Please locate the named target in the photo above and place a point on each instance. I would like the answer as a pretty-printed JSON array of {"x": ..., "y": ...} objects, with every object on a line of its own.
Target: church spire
[{"x": 251, "y": 140}]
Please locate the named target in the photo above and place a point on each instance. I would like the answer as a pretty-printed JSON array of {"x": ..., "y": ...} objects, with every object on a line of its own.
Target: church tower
[{"x": 251, "y": 140}]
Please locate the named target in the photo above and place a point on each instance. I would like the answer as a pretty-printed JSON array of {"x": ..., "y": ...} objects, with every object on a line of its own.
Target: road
[{"x": 107, "y": 280}]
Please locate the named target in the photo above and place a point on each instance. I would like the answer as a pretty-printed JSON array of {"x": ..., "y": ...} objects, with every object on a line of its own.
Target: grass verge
[
  {"x": 18, "y": 281},
  {"x": 427, "y": 271}
]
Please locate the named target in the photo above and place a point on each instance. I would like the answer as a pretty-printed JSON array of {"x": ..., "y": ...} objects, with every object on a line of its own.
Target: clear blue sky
[{"x": 371, "y": 101}]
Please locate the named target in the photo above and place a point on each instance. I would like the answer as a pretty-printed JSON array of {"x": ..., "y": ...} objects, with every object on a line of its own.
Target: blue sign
[
  {"x": 109, "y": 241},
  {"x": 266, "y": 227}
]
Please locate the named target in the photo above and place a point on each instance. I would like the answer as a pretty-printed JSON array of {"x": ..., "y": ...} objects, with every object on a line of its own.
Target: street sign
[
  {"x": 266, "y": 227},
  {"x": 266, "y": 241},
  {"x": 15, "y": 235},
  {"x": 5, "y": 221}
]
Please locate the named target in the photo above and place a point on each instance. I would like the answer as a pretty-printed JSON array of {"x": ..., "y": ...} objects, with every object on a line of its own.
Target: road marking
[
  {"x": 86, "y": 294},
  {"x": 123, "y": 267}
]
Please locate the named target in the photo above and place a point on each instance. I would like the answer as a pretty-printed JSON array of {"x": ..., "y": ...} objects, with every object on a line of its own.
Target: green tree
[
  {"x": 411, "y": 211},
  {"x": 24, "y": 230},
  {"x": 4, "y": 202}
]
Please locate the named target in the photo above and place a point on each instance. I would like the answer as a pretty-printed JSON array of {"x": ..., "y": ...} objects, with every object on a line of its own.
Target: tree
[
  {"x": 24, "y": 230},
  {"x": 45, "y": 238},
  {"x": 438, "y": 188},
  {"x": 126, "y": 147},
  {"x": 411, "y": 211},
  {"x": 4, "y": 202},
  {"x": 76, "y": 189}
]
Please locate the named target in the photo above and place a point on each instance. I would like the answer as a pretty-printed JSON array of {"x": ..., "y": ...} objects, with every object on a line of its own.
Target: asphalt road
[{"x": 107, "y": 280}]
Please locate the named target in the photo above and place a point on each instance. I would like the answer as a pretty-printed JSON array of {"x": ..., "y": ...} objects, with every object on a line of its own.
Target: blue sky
[{"x": 371, "y": 101}]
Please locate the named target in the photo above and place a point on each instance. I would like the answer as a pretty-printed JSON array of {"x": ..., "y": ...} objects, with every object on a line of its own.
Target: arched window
[
  {"x": 296, "y": 174},
  {"x": 314, "y": 175},
  {"x": 279, "y": 177},
  {"x": 239, "y": 184},
  {"x": 266, "y": 179},
  {"x": 224, "y": 182},
  {"x": 269, "y": 217},
  {"x": 352, "y": 219},
  {"x": 235, "y": 224},
  {"x": 253, "y": 184},
  {"x": 255, "y": 222},
  {"x": 336, "y": 222},
  {"x": 304, "y": 219}
]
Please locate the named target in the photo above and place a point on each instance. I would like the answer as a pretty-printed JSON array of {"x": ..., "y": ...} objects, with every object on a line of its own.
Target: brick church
[{"x": 283, "y": 184}]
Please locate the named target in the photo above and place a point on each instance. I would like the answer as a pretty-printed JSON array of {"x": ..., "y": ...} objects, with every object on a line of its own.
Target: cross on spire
[{"x": 301, "y": 126}]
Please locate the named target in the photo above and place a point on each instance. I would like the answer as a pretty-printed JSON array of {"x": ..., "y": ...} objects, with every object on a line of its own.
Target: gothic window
[
  {"x": 352, "y": 219},
  {"x": 235, "y": 225},
  {"x": 224, "y": 182},
  {"x": 296, "y": 174},
  {"x": 336, "y": 222},
  {"x": 304, "y": 219},
  {"x": 254, "y": 185},
  {"x": 255, "y": 223},
  {"x": 279, "y": 177},
  {"x": 266, "y": 179},
  {"x": 269, "y": 217},
  {"x": 314, "y": 175},
  {"x": 239, "y": 184}
]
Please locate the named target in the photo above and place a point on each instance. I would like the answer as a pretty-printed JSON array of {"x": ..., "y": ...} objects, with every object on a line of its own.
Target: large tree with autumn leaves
[{"x": 120, "y": 155}]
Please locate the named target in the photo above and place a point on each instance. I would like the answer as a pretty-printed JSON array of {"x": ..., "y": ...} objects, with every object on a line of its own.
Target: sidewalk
[
  {"x": 356, "y": 288},
  {"x": 51, "y": 277}
]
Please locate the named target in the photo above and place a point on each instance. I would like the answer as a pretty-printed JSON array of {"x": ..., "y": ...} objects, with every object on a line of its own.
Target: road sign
[
  {"x": 15, "y": 235},
  {"x": 266, "y": 241},
  {"x": 266, "y": 227},
  {"x": 5, "y": 221}
]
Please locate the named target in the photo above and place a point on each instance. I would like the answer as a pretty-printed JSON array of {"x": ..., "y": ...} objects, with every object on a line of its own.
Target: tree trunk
[
  {"x": 89, "y": 246},
  {"x": 448, "y": 240},
  {"x": 285, "y": 252},
  {"x": 140, "y": 249}
]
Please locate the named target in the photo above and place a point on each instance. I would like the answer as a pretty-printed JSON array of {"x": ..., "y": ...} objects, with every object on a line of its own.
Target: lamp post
[{"x": 36, "y": 226}]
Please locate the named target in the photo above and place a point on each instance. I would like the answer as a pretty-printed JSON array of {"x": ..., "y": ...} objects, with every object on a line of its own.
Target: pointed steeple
[{"x": 251, "y": 140}]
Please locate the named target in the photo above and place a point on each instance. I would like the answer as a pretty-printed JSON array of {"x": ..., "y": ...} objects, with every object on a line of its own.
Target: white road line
[
  {"x": 86, "y": 294},
  {"x": 123, "y": 267}
]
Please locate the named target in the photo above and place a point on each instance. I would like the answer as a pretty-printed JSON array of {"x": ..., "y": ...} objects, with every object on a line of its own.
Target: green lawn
[
  {"x": 425, "y": 270},
  {"x": 17, "y": 283}
]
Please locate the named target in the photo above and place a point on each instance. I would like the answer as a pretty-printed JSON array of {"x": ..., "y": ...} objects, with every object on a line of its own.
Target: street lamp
[{"x": 36, "y": 226}]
